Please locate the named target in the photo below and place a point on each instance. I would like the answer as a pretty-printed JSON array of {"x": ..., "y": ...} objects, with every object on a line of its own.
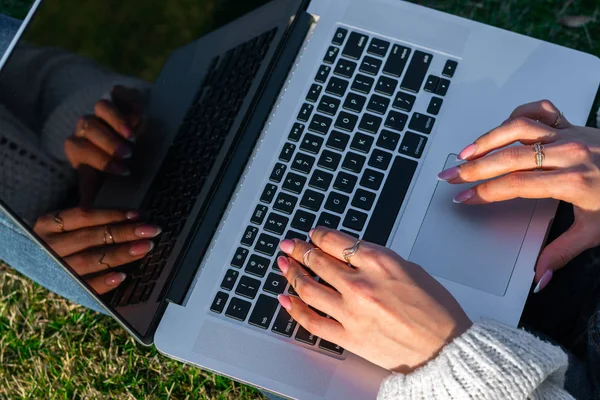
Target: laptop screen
[
  {"x": 93, "y": 99},
  {"x": 14, "y": 15}
]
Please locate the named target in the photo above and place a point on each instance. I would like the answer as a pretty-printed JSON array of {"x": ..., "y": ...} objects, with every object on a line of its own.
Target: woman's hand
[
  {"x": 385, "y": 309},
  {"x": 93, "y": 241},
  {"x": 571, "y": 172}
]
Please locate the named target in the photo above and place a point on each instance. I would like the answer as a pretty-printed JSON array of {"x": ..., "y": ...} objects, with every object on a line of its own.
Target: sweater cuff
[{"x": 488, "y": 361}]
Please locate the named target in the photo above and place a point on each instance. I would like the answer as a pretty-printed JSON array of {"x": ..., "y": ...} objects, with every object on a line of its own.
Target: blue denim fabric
[{"x": 8, "y": 27}]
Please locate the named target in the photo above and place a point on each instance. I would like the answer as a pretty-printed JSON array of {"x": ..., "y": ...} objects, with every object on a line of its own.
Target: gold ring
[
  {"x": 59, "y": 221},
  {"x": 559, "y": 119},
  {"x": 101, "y": 261},
  {"x": 108, "y": 233},
  {"x": 301, "y": 275},
  {"x": 349, "y": 252},
  {"x": 539, "y": 154},
  {"x": 305, "y": 256}
]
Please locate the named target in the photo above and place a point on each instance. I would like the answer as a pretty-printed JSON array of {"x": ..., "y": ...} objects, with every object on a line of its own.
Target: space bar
[{"x": 391, "y": 199}]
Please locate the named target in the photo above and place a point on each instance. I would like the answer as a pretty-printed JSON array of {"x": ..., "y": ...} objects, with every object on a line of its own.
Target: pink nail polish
[
  {"x": 449, "y": 174},
  {"x": 285, "y": 302},
  {"x": 287, "y": 246},
  {"x": 115, "y": 279},
  {"x": 544, "y": 280},
  {"x": 132, "y": 215},
  {"x": 310, "y": 233},
  {"x": 123, "y": 152},
  {"x": 147, "y": 230},
  {"x": 467, "y": 152},
  {"x": 464, "y": 196},
  {"x": 141, "y": 248},
  {"x": 128, "y": 132},
  {"x": 283, "y": 264},
  {"x": 116, "y": 168}
]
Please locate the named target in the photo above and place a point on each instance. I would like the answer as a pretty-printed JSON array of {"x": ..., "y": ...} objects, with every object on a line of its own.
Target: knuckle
[
  {"x": 521, "y": 123},
  {"x": 579, "y": 150},
  {"x": 81, "y": 213},
  {"x": 510, "y": 156},
  {"x": 361, "y": 289},
  {"x": 328, "y": 238},
  {"x": 547, "y": 105}
]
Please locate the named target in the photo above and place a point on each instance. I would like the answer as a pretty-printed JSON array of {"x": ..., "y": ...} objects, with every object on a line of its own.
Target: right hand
[{"x": 84, "y": 244}]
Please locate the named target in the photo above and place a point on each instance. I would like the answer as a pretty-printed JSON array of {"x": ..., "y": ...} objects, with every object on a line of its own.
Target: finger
[
  {"x": 77, "y": 218},
  {"x": 524, "y": 130},
  {"x": 81, "y": 151},
  {"x": 129, "y": 101},
  {"x": 107, "y": 111},
  {"x": 544, "y": 111},
  {"x": 106, "y": 283},
  {"x": 101, "y": 135},
  {"x": 104, "y": 258}
]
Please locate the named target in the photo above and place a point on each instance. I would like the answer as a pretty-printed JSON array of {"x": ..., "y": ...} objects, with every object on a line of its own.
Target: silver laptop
[{"x": 338, "y": 113}]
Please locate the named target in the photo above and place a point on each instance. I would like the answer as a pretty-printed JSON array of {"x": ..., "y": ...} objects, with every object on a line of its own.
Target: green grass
[{"x": 52, "y": 349}]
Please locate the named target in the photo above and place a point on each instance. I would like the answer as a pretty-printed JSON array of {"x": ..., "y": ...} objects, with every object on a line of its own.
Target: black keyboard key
[
  {"x": 238, "y": 309},
  {"x": 378, "y": 47},
  {"x": 303, "y": 163},
  {"x": 421, "y": 123},
  {"x": 229, "y": 279},
  {"x": 386, "y": 86},
  {"x": 434, "y": 105},
  {"x": 380, "y": 159},
  {"x": 354, "y": 102},
  {"x": 362, "y": 142},
  {"x": 337, "y": 202},
  {"x": 314, "y": 93},
  {"x": 345, "y": 182},
  {"x": 370, "y": 65},
  {"x": 355, "y": 46},
  {"x": 287, "y": 152},
  {"x": 312, "y": 200},
  {"x": 328, "y": 220},
  {"x": 331, "y": 347},
  {"x": 311, "y": 143},
  {"x": 257, "y": 265},
  {"x": 275, "y": 284},
  {"x": 303, "y": 221},
  {"x": 278, "y": 172},
  {"x": 249, "y": 236},
  {"x": 346, "y": 121},
  {"x": 363, "y": 83},
  {"x": 450, "y": 68},
  {"x": 296, "y": 132},
  {"x": 218, "y": 303},
  {"x": 295, "y": 235},
  {"x": 305, "y": 336},
  {"x": 337, "y": 140},
  {"x": 239, "y": 258},
  {"x": 363, "y": 199},
  {"x": 268, "y": 193},
  {"x": 396, "y": 120},
  {"x": 355, "y": 220},
  {"x": 331, "y": 55},
  {"x": 431, "y": 83},
  {"x": 320, "y": 124},
  {"x": 413, "y": 145},
  {"x": 345, "y": 68},
  {"x": 404, "y": 101},
  {"x": 353, "y": 162},
  {"x": 397, "y": 61},
  {"x": 285, "y": 203},
  {"x": 370, "y": 123},
  {"x": 388, "y": 140},
  {"x": 266, "y": 244},
  {"x": 320, "y": 180},
  {"x": 276, "y": 223},
  {"x": 247, "y": 287},
  {"x": 284, "y": 324},
  {"x": 337, "y": 87},
  {"x": 294, "y": 183},
  {"x": 378, "y": 104},
  {"x": 305, "y": 112},
  {"x": 263, "y": 312},
  {"x": 371, "y": 179},
  {"x": 259, "y": 214},
  {"x": 323, "y": 74},
  {"x": 275, "y": 266},
  {"x": 340, "y": 36},
  {"x": 329, "y": 105},
  {"x": 329, "y": 160},
  {"x": 442, "y": 87},
  {"x": 390, "y": 201},
  {"x": 417, "y": 69}
]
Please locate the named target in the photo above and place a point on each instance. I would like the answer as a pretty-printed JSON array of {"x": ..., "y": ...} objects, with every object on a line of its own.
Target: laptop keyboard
[
  {"x": 348, "y": 163},
  {"x": 191, "y": 156}
]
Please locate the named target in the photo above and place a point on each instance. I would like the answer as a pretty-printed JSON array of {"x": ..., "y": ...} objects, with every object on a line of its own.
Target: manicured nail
[
  {"x": 287, "y": 246},
  {"x": 147, "y": 230},
  {"x": 544, "y": 280},
  {"x": 128, "y": 132},
  {"x": 467, "y": 152},
  {"x": 464, "y": 196},
  {"x": 124, "y": 152},
  {"x": 141, "y": 248},
  {"x": 132, "y": 215},
  {"x": 285, "y": 302},
  {"x": 310, "y": 233},
  {"x": 449, "y": 174},
  {"x": 283, "y": 264},
  {"x": 115, "y": 279}
]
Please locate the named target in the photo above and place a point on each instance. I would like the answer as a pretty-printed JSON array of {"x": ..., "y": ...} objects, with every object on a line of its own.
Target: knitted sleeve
[{"x": 489, "y": 361}]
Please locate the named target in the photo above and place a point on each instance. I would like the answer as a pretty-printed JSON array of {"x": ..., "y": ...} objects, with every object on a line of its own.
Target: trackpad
[{"x": 476, "y": 245}]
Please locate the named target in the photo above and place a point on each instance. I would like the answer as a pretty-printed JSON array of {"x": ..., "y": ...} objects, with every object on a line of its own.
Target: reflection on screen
[{"x": 12, "y": 14}]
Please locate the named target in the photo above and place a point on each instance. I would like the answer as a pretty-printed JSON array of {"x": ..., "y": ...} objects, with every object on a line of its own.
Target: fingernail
[
  {"x": 128, "y": 132},
  {"x": 283, "y": 264},
  {"x": 287, "y": 246},
  {"x": 132, "y": 215},
  {"x": 310, "y": 233},
  {"x": 449, "y": 174},
  {"x": 464, "y": 196},
  {"x": 141, "y": 248},
  {"x": 285, "y": 301},
  {"x": 123, "y": 151},
  {"x": 147, "y": 231},
  {"x": 116, "y": 168},
  {"x": 116, "y": 278},
  {"x": 544, "y": 280},
  {"x": 467, "y": 152}
]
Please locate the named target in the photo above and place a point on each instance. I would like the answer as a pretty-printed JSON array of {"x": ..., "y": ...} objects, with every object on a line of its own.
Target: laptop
[{"x": 337, "y": 113}]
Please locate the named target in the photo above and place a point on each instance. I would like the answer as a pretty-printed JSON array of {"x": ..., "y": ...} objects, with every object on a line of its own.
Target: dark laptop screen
[{"x": 74, "y": 98}]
